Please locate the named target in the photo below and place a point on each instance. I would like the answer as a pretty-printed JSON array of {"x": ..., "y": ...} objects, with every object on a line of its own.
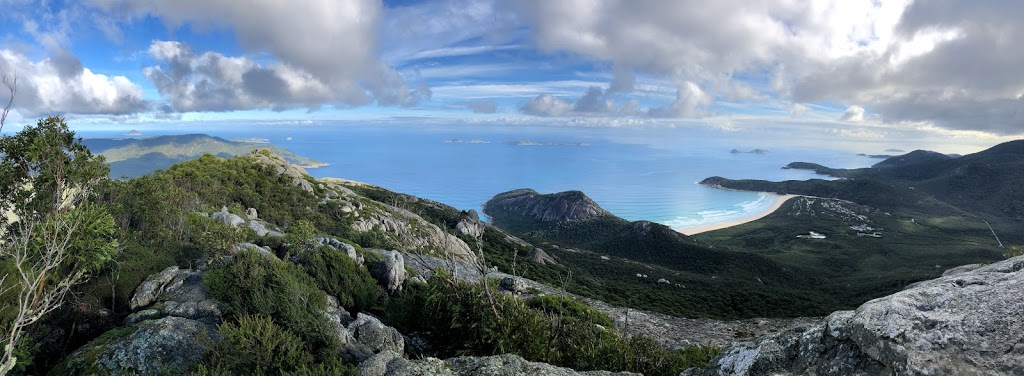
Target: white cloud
[
  {"x": 61, "y": 85},
  {"x": 853, "y": 114},
  {"x": 326, "y": 47},
  {"x": 797, "y": 109},
  {"x": 955, "y": 64},
  {"x": 546, "y": 105},
  {"x": 691, "y": 102}
]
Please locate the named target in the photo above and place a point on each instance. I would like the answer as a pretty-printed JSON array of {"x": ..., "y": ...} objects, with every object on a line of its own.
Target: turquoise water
[{"x": 635, "y": 174}]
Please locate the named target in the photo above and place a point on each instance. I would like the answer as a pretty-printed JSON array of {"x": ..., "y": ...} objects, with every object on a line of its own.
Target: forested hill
[
  {"x": 988, "y": 184},
  {"x": 136, "y": 157}
]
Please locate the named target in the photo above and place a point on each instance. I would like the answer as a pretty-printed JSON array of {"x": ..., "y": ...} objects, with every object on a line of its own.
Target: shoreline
[{"x": 779, "y": 200}]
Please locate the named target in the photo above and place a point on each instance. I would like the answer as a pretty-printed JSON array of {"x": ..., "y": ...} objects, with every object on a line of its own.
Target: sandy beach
[{"x": 779, "y": 200}]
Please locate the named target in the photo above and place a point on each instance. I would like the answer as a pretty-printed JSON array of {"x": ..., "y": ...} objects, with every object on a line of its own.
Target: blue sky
[{"x": 854, "y": 69}]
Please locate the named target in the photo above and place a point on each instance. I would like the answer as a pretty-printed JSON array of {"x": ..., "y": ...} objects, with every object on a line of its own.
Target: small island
[{"x": 133, "y": 133}]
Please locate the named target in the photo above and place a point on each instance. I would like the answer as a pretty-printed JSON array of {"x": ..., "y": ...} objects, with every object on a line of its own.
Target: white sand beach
[{"x": 779, "y": 200}]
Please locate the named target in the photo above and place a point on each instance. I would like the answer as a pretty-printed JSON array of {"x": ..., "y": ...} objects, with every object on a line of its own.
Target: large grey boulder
[
  {"x": 228, "y": 218},
  {"x": 173, "y": 292},
  {"x": 149, "y": 348},
  {"x": 470, "y": 228},
  {"x": 390, "y": 271},
  {"x": 512, "y": 285},
  {"x": 370, "y": 336},
  {"x": 389, "y": 363},
  {"x": 349, "y": 250},
  {"x": 263, "y": 228},
  {"x": 514, "y": 365},
  {"x": 392, "y": 364},
  {"x": 969, "y": 322}
]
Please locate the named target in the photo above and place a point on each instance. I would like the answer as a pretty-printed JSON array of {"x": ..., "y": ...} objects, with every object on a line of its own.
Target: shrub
[
  {"x": 255, "y": 284},
  {"x": 568, "y": 307},
  {"x": 458, "y": 318},
  {"x": 338, "y": 275},
  {"x": 256, "y": 344}
]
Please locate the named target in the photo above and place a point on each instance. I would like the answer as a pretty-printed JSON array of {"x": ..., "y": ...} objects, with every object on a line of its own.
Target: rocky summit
[
  {"x": 967, "y": 322},
  {"x": 555, "y": 207}
]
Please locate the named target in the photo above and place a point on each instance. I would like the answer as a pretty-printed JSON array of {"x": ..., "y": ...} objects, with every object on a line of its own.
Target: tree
[
  {"x": 12, "y": 85},
  {"x": 53, "y": 238}
]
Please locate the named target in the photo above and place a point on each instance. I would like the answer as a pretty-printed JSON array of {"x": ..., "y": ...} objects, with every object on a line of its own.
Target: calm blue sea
[{"x": 636, "y": 174}]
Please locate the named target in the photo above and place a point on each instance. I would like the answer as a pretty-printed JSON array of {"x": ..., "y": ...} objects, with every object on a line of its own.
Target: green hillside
[{"x": 137, "y": 157}]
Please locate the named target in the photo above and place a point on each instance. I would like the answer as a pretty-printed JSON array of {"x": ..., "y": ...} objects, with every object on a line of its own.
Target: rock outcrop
[
  {"x": 261, "y": 228},
  {"x": 348, "y": 249},
  {"x": 282, "y": 167},
  {"x": 363, "y": 336},
  {"x": 225, "y": 217},
  {"x": 172, "y": 328},
  {"x": 411, "y": 231},
  {"x": 391, "y": 364},
  {"x": 967, "y": 322},
  {"x": 470, "y": 228},
  {"x": 390, "y": 271},
  {"x": 513, "y": 285},
  {"x": 555, "y": 207},
  {"x": 173, "y": 292},
  {"x": 149, "y": 348},
  {"x": 538, "y": 256}
]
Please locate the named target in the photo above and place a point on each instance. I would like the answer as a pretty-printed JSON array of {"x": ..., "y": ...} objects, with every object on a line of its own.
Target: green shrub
[
  {"x": 458, "y": 318},
  {"x": 299, "y": 236},
  {"x": 568, "y": 307},
  {"x": 338, "y": 275},
  {"x": 256, "y": 284},
  {"x": 214, "y": 237},
  {"x": 256, "y": 344}
]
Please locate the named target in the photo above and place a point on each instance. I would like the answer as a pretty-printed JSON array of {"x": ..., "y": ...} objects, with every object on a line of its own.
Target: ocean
[{"x": 649, "y": 174}]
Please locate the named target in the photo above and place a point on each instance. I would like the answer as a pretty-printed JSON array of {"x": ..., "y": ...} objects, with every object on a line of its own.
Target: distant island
[
  {"x": 461, "y": 141},
  {"x": 895, "y": 151},
  {"x": 755, "y": 151},
  {"x": 876, "y": 156},
  {"x": 133, "y": 133},
  {"x": 544, "y": 143},
  {"x": 518, "y": 142}
]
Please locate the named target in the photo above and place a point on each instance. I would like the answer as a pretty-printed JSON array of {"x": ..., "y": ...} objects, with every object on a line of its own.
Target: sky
[{"x": 856, "y": 70}]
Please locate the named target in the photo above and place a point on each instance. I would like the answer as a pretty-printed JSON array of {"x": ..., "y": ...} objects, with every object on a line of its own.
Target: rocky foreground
[{"x": 970, "y": 321}]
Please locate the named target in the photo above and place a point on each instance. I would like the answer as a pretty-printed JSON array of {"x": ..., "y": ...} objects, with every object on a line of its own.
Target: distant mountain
[
  {"x": 988, "y": 184},
  {"x": 912, "y": 158},
  {"x": 135, "y": 157}
]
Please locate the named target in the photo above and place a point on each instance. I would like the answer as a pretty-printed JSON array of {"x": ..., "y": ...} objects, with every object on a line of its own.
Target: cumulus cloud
[
  {"x": 61, "y": 85},
  {"x": 905, "y": 60},
  {"x": 214, "y": 82},
  {"x": 853, "y": 114},
  {"x": 546, "y": 105},
  {"x": 325, "y": 52},
  {"x": 593, "y": 102},
  {"x": 691, "y": 102}
]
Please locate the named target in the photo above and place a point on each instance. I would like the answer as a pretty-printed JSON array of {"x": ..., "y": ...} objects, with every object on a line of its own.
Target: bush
[
  {"x": 214, "y": 237},
  {"x": 565, "y": 306},
  {"x": 255, "y": 284},
  {"x": 458, "y": 318},
  {"x": 255, "y": 344},
  {"x": 338, "y": 275}
]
